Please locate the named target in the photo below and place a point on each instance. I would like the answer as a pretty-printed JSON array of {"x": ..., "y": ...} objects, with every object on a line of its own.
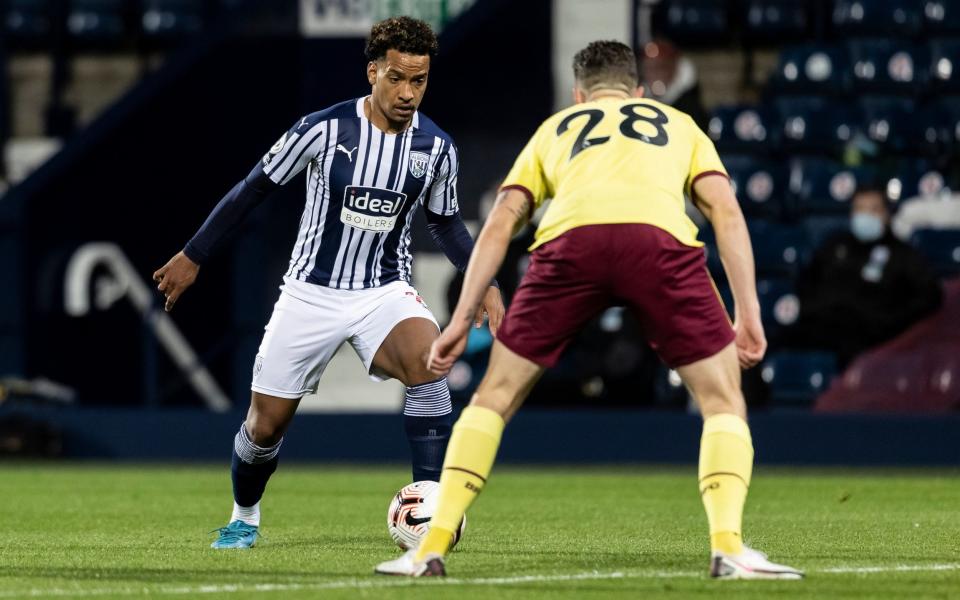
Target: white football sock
[{"x": 248, "y": 514}]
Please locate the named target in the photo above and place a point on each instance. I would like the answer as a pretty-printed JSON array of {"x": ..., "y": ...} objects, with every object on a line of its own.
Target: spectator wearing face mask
[
  {"x": 671, "y": 78},
  {"x": 863, "y": 286}
]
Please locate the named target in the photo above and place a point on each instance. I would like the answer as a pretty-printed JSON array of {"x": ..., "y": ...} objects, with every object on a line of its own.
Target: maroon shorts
[{"x": 576, "y": 276}]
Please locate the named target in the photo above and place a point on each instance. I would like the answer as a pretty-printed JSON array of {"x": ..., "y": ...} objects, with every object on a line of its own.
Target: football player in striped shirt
[
  {"x": 370, "y": 162},
  {"x": 618, "y": 167}
]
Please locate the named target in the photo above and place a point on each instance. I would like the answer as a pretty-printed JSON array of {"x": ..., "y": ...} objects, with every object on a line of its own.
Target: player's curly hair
[
  {"x": 604, "y": 63},
  {"x": 404, "y": 34}
]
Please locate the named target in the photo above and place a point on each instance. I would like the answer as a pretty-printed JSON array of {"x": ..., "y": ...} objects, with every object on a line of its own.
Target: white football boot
[
  {"x": 430, "y": 566},
  {"x": 749, "y": 564}
]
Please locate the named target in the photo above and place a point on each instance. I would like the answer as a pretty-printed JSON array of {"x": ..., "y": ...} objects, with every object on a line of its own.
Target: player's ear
[
  {"x": 372, "y": 72},
  {"x": 638, "y": 93},
  {"x": 578, "y": 96}
]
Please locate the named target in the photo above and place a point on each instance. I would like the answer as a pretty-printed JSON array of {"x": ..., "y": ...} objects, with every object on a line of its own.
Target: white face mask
[{"x": 867, "y": 227}]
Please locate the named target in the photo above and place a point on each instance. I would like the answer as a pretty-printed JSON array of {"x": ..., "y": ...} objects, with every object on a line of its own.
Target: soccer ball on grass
[{"x": 408, "y": 518}]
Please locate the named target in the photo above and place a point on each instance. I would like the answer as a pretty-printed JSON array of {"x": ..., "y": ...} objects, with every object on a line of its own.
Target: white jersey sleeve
[
  {"x": 296, "y": 148},
  {"x": 442, "y": 199}
]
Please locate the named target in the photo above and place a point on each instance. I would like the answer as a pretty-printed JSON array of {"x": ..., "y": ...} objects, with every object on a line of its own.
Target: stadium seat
[
  {"x": 941, "y": 16},
  {"x": 888, "y": 66},
  {"x": 779, "y": 306},
  {"x": 797, "y": 378},
  {"x": 779, "y": 249},
  {"x": 897, "y": 127},
  {"x": 693, "y": 22},
  {"x": 815, "y": 124},
  {"x": 945, "y": 65},
  {"x": 171, "y": 18},
  {"x": 27, "y": 22},
  {"x": 914, "y": 177},
  {"x": 812, "y": 68},
  {"x": 820, "y": 228},
  {"x": 941, "y": 247},
  {"x": 946, "y": 109},
  {"x": 760, "y": 185},
  {"x": 822, "y": 186},
  {"x": 775, "y": 20},
  {"x": 742, "y": 128},
  {"x": 877, "y": 17},
  {"x": 96, "y": 20}
]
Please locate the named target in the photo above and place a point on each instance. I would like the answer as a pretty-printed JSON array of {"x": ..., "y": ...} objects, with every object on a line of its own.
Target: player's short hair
[
  {"x": 403, "y": 34},
  {"x": 606, "y": 62}
]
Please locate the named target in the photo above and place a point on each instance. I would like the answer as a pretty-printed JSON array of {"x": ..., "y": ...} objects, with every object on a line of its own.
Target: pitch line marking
[{"x": 449, "y": 581}]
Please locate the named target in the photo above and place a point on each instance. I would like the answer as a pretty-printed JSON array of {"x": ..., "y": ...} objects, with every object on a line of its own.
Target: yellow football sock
[
  {"x": 726, "y": 462},
  {"x": 473, "y": 446}
]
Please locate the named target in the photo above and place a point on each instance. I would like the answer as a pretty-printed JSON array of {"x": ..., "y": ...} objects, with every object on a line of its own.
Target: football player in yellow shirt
[{"x": 617, "y": 167}]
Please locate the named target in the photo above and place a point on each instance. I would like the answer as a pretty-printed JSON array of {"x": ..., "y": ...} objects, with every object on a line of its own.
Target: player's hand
[
  {"x": 751, "y": 342},
  {"x": 492, "y": 307},
  {"x": 175, "y": 277},
  {"x": 447, "y": 348}
]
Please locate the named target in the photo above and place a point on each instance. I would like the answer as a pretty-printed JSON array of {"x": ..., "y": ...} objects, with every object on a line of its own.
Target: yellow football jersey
[{"x": 615, "y": 161}]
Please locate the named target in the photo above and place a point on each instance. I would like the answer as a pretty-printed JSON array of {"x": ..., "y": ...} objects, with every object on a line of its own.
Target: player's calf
[{"x": 428, "y": 420}]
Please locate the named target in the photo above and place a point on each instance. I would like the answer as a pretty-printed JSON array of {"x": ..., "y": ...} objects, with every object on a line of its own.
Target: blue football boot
[{"x": 236, "y": 535}]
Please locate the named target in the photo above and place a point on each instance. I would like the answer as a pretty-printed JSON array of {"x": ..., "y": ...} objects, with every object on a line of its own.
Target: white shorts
[{"x": 310, "y": 323}]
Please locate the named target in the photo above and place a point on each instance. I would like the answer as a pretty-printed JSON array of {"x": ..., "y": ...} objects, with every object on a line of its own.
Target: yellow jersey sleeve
[
  {"x": 705, "y": 160},
  {"x": 528, "y": 171}
]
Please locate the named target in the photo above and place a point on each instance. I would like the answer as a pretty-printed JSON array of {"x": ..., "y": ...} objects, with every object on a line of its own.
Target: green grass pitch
[{"x": 98, "y": 531}]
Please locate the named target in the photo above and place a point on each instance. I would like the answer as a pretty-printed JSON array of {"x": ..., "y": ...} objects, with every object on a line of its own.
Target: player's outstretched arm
[
  {"x": 715, "y": 199},
  {"x": 181, "y": 271},
  {"x": 175, "y": 277},
  {"x": 451, "y": 236},
  {"x": 509, "y": 215}
]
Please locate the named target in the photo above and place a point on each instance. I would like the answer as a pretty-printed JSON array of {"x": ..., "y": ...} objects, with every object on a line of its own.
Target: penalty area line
[{"x": 398, "y": 582}]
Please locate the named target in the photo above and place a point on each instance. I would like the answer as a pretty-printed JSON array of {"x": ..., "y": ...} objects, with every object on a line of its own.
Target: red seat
[{"x": 919, "y": 371}]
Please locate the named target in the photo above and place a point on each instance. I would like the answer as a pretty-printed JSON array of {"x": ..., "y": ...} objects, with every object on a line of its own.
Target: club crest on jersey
[
  {"x": 275, "y": 149},
  {"x": 370, "y": 208},
  {"x": 418, "y": 164}
]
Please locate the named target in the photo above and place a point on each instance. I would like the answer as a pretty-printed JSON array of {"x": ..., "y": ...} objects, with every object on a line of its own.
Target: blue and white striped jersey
[{"x": 362, "y": 188}]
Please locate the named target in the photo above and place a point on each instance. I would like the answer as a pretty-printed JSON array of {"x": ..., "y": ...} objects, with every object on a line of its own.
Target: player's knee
[
  {"x": 731, "y": 402},
  {"x": 263, "y": 430},
  {"x": 499, "y": 397},
  {"x": 415, "y": 372}
]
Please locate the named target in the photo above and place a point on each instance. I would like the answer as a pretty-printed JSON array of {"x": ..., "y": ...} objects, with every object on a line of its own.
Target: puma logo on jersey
[{"x": 349, "y": 153}]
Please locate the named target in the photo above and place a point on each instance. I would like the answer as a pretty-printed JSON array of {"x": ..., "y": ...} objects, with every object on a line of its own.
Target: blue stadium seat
[
  {"x": 775, "y": 20},
  {"x": 895, "y": 124},
  {"x": 742, "y": 129},
  {"x": 877, "y": 17},
  {"x": 812, "y": 69},
  {"x": 797, "y": 378},
  {"x": 945, "y": 65},
  {"x": 889, "y": 66},
  {"x": 822, "y": 186},
  {"x": 760, "y": 185},
  {"x": 97, "y": 20},
  {"x": 779, "y": 249},
  {"x": 820, "y": 228},
  {"x": 27, "y": 21},
  {"x": 779, "y": 306},
  {"x": 172, "y": 18},
  {"x": 693, "y": 22},
  {"x": 941, "y": 16},
  {"x": 941, "y": 247},
  {"x": 946, "y": 109},
  {"x": 815, "y": 124},
  {"x": 914, "y": 177}
]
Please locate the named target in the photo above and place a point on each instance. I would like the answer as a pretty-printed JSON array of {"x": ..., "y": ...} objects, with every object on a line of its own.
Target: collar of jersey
[{"x": 414, "y": 123}]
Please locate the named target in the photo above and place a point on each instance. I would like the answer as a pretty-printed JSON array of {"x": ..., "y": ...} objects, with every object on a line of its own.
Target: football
[{"x": 408, "y": 518}]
